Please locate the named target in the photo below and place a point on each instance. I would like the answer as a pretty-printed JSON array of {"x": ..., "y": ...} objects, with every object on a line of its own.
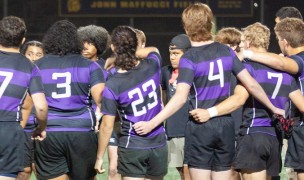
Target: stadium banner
[{"x": 150, "y": 8}]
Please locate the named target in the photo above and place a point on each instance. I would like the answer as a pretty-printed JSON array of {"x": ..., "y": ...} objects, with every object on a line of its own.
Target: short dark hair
[
  {"x": 96, "y": 35},
  {"x": 62, "y": 38},
  {"x": 12, "y": 31},
  {"x": 290, "y": 12},
  {"x": 30, "y": 43}
]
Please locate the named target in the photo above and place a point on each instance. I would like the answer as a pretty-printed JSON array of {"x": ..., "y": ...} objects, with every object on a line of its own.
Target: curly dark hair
[
  {"x": 125, "y": 42},
  {"x": 96, "y": 35},
  {"x": 31, "y": 43},
  {"x": 12, "y": 31},
  {"x": 61, "y": 39}
]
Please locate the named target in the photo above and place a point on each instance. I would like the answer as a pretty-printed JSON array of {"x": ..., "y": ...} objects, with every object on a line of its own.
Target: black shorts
[
  {"x": 149, "y": 163},
  {"x": 29, "y": 150},
  {"x": 257, "y": 152},
  {"x": 71, "y": 153},
  {"x": 295, "y": 150},
  {"x": 11, "y": 147},
  {"x": 210, "y": 145}
]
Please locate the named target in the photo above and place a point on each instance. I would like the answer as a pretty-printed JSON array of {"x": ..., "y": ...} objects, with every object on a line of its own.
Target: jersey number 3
[
  {"x": 140, "y": 99},
  {"x": 66, "y": 85}
]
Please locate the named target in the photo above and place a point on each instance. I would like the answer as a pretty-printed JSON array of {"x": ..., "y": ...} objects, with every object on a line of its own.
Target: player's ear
[
  {"x": 112, "y": 47},
  {"x": 23, "y": 40}
]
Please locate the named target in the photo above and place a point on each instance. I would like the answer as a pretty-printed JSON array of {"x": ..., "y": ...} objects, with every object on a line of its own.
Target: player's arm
[
  {"x": 26, "y": 110},
  {"x": 142, "y": 53},
  {"x": 41, "y": 108},
  {"x": 175, "y": 103},
  {"x": 273, "y": 60},
  {"x": 225, "y": 107},
  {"x": 298, "y": 99},
  {"x": 105, "y": 133},
  {"x": 96, "y": 92},
  {"x": 255, "y": 89}
]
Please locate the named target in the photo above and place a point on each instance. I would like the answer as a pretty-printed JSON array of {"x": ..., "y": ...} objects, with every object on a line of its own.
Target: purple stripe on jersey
[
  {"x": 68, "y": 129},
  {"x": 80, "y": 76},
  {"x": 72, "y": 102},
  {"x": 261, "y": 122},
  {"x": 16, "y": 80},
  {"x": 270, "y": 77},
  {"x": 224, "y": 62},
  {"x": 155, "y": 57},
  {"x": 279, "y": 101},
  {"x": 145, "y": 117},
  {"x": 186, "y": 63},
  {"x": 9, "y": 103},
  {"x": 213, "y": 92}
]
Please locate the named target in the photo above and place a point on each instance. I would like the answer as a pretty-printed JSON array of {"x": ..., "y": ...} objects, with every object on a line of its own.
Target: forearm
[
  {"x": 105, "y": 133},
  {"x": 273, "y": 60},
  {"x": 175, "y": 103},
  {"x": 41, "y": 108},
  {"x": 142, "y": 53}
]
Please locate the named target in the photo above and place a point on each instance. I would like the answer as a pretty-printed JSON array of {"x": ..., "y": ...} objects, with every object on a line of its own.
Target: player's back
[
  {"x": 208, "y": 70},
  {"x": 136, "y": 93},
  {"x": 17, "y": 76},
  {"x": 67, "y": 81},
  {"x": 276, "y": 84}
]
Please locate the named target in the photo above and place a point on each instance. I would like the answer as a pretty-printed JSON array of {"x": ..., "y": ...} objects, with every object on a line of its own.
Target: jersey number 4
[
  {"x": 220, "y": 75},
  {"x": 140, "y": 100}
]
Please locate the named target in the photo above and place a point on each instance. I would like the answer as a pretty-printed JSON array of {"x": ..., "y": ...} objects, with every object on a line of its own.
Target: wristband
[
  {"x": 213, "y": 112},
  {"x": 247, "y": 54}
]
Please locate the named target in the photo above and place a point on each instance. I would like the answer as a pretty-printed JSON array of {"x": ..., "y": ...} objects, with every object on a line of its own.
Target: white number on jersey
[
  {"x": 220, "y": 75},
  {"x": 140, "y": 99},
  {"x": 7, "y": 78},
  {"x": 271, "y": 75},
  {"x": 66, "y": 84}
]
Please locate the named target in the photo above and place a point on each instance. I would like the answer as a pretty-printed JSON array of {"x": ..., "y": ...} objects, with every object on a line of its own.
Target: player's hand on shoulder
[{"x": 200, "y": 115}]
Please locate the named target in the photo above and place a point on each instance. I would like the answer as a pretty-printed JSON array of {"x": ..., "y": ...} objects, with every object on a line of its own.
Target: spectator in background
[{"x": 176, "y": 124}]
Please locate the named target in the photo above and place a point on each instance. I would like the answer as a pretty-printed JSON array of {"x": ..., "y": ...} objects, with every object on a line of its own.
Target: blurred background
[{"x": 159, "y": 19}]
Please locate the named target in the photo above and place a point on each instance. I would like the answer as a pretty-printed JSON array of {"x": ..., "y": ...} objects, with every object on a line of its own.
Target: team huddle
[{"x": 209, "y": 114}]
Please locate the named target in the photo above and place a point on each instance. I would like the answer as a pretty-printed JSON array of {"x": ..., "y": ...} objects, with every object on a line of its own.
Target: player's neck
[
  {"x": 9, "y": 49},
  {"x": 201, "y": 43},
  {"x": 297, "y": 50}
]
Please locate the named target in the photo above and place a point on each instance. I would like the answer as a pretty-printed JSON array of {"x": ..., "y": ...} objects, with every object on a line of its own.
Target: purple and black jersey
[
  {"x": 299, "y": 59},
  {"x": 207, "y": 69},
  {"x": 277, "y": 85},
  {"x": 67, "y": 81},
  {"x": 17, "y": 76},
  {"x": 136, "y": 95}
]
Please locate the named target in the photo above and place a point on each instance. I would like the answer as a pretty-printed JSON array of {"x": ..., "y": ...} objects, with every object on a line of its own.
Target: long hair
[{"x": 125, "y": 43}]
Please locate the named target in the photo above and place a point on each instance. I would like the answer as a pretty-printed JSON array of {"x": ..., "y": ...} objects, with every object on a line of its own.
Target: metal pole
[
  {"x": 262, "y": 11},
  {"x": 4, "y": 8}
]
